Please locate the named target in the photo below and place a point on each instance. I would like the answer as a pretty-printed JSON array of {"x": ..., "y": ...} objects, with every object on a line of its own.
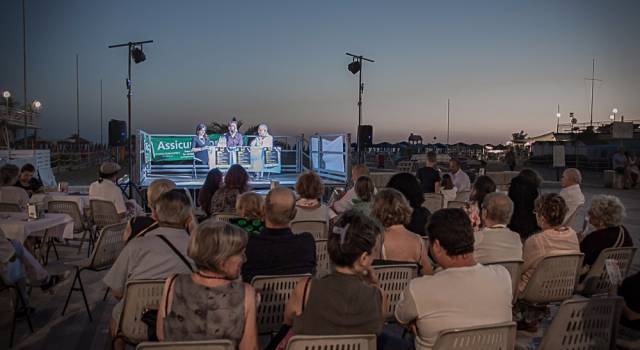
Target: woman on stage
[{"x": 200, "y": 144}]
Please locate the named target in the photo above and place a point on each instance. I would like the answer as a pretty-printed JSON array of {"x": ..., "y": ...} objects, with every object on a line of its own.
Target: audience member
[
  {"x": 619, "y": 162},
  {"x": 212, "y": 302},
  {"x": 409, "y": 187},
  {"x": 462, "y": 294},
  {"x": 105, "y": 187},
  {"x": 429, "y": 175},
  {"x": 345, "y": 202},
  {"x": 495, "y": 242},
  {"x": 510, "y": 159},
  {"x": 459, "y": 177},
  {"x": 448, "y": 190},
  {"x": 211, "y": 184},
  {"x": 277, "y": 251},
  {"x": 605, "y": 215},
  {"x": 399, "y": 244},
  {"x": 365, "y": 191},
  {"x": 523, "y": 191},
  {"x": 310, "y": 208},
  {"x": 159, "y": 254},
  {"x": 630, "y": 291},
  {"x": 571, "y": 193},
  {"x": 250, "y": 209},
  {"x": 348, "y": 300},
  {"x": 555, "y": 239},
  {"x": 138, "y": 226},
  {"x": 481, "y": 187},
  {"x": 8, "y": 192},
  {"x": 236, "y": 182},
  {"x": 27, "y": 182}
]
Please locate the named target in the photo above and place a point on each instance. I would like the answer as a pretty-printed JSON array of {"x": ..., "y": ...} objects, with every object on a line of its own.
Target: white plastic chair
[
  {"x": 332, "y": 342},
  {"x": 394, "y": 279},
  {"x": 139, "y": 296},
  {"x": 317, "y": 228},
  {"x": 433, "y": 201},
  {"x": 463, "y": 196},
  {"x": 189, "y": 345},
  {"x": 513, "y": 266},
  {"x": 456, "y": 204},
  {"x": 597, "y": 281},
  {"x": 501, "y": 336},
  {"x": 323, "y": 263},
  {"x": 274, "y": 293},
  {"x": 554, "y": 279}
]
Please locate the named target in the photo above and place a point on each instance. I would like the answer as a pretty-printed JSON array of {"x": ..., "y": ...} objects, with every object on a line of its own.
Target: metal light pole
[
  {"x": 614, "y": 111},
  {"x": 359, "y": 59},
  {"x": 24, "y": 66},
  {"x": 558, "y": 115}
]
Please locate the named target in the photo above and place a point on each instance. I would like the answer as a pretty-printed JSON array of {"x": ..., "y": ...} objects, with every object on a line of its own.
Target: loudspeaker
[
  {"x": 365, "y": 136},
  {"x": 117, "y": 133}
]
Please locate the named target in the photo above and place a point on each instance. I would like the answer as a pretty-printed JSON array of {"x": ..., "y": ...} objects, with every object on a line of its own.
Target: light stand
[
  {"x": 130, "y": 45},
  {"x": 356, "y": 67}
]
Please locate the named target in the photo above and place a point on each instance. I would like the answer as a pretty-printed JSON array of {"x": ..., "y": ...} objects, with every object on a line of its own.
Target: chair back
[
  {"x": 405, "y": 166},
  {"x": 323, "y": 264},
  {"x": 584, "y": 324},
  {"x": 572, "y": 218},
  {"x": 332, "y": 342},
  {"x": 597, "y": 279},
  {"x": 103, "y": 213},
  {"x": 139, "y": 295},
  {"x": 513, "y": 266},
  {"x": 501, "y": 336},
  {"x": 433, "y": 201},
  {"x": 70, "y": 208},
  {"x": 554, "y": 279},
  {"x": 393, "y": 281},
  {"x": 222, "y": 344},
  {"x": 317, "y": 228},
  {"x": 463, "y": 196},
  {"x": 456, "y": 204},
  {"x": 10, "y": 207},
  {"x": 274, "y": 294},
  {"x": 108, "y": 246},
  {"x": 225, "y": 217}
]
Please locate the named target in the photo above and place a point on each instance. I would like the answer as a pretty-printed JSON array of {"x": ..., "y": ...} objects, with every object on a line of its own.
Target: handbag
[{"x": 150, "y": 318}]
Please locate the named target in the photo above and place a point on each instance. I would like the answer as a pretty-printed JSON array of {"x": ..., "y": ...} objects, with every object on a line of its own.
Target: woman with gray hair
[
  {"x": 606, "y": 215},
  {"x": 225, "y": 307}
]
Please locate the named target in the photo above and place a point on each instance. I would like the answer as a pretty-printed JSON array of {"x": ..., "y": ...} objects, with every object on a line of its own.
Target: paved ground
[{"x": 74, "y": 331}]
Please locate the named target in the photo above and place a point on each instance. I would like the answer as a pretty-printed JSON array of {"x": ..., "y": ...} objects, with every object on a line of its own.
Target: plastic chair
[
  {"x": 107, "y": 248},
  {"x": 501, "y": 336},
  {"x": 103, "y": 213},
  {"x": 554, "y": 279},
  {"x": 405, "y": 166},
  {"x": 317, "y": 228},
  {"x": 332, "y": 342},
  {"x": 463, "y": 196},
  {"x": 433, "y": 201},
  {"x": 513, "y": 266},
  {"x": 597, "y": 281},
  {"x": 80, "y": 224},
  {"x": 394, "y": 279},
  {"x": 221, "y": 344},
  {"x": 274, "y": 294},
  {"x": 139, "y": 296},
  {"x": 584, "y": 324},
  {"x": 456, "y": 204},
  {"x": 323, "y": 264},
  {"x": 10, "y": 208},
  {"x": 225, "y": 217},
  {"x": 19, "y": 302}
]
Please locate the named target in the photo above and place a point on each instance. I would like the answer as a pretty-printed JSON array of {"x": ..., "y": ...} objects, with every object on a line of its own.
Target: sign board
[
  {"x": 558, "y": 156},
  {"x": 168, "y": 148},
  {"x": 622, "y": 130}
]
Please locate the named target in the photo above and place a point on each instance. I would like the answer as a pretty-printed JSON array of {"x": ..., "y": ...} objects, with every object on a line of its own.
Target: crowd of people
[{"x": 209, "y": 264}]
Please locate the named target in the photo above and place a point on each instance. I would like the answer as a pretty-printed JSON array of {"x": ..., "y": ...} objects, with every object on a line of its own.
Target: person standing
[
  {"x": 233, "y": 138},
  {"x": 459, "y": 177},
  {"x": 263, "y": 139},
  {"x": 200, "y": 144},
  {"x": 429, "y": 176}
]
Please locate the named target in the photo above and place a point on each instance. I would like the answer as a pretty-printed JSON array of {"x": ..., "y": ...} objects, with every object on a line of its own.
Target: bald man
[
  {"x": 276, "y": 250},
  {"x": 571, "y": 192}
]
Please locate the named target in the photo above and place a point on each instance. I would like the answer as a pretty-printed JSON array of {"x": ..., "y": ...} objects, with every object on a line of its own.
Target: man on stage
[
  {"x": 263, "y": 139},
  {"x": 233, "y": 137}
]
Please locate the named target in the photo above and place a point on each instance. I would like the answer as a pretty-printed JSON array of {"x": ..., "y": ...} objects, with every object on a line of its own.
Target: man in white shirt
[
  {"x": 345, "y": 202},
  {"x": 462, "y": 294},
  {"x": 8, "y": 192},
  {"x": 571, "y": 193},
  {"x": 460, "y": 178},
  {"x": 105, "y": 187},
  {"x": 495, "y": 242}
]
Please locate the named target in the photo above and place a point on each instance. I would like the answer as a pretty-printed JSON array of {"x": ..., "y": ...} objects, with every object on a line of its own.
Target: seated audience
[
  {"x": 630, "y": 291},
  {"x": 276, "y": 250},
  {"x": 523, "y": 191},
  {"x": 310, "y": 208},
  {"x": 9, "y": 193},
  {"x": 571, "y": 193},
  {"x": 211, "y": 302},
  {"x": 448, "y": 190},
  {"x": 495, "y": 242},
  {"x": 27, "y": 182},
  {"x": 429, "y": 175},
  {"x": 138, "y": 226},
  {"x": 250, "y": 209},
  {"x": 105, "y": 187},
  {"x": 459, "y": 177},
  {"x": 236, "y": 182},
  {"x": 344, "y": 202},
  {"x": 606, "y": 215},
  {"x": 555, "y": 239},
  {"x": 159, "y": 254},
  {"x": 399, "y": 244},
  {"x": 211, "y": 184},
  {"x": 408, "y": 185},
  {"x": 481, "y": 187},
  {"x": 463, "y": 294},
  {"x": 348, "y": 300},
  {"x": 365, "y": 190}
]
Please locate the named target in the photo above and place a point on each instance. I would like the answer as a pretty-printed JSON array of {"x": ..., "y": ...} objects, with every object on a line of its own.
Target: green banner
[{"x": 171, "y": 148}]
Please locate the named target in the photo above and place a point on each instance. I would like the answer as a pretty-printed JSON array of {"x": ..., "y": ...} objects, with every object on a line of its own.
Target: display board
[{"x": 253, "y": 159}]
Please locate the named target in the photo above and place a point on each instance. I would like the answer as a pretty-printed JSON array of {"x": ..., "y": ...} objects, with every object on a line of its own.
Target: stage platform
[{"x": 286, "y": 180}]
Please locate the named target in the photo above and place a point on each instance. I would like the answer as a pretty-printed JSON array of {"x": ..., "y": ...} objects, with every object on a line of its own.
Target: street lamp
[
  {"x": 612, "y": 117},
  {"x": 558, "y": 115},
  {"x": 6, "y": 96},
  {"x": 614, "y": 111},
  {"x": 36, "y": 105}
]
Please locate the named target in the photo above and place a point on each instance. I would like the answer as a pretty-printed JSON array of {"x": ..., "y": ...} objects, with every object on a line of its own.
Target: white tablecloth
[
  {"x": 44, "y": 198},
  {"x": 18, "y": 227}
]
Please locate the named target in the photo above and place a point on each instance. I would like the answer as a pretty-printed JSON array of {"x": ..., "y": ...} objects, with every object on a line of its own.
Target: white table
[{"x": 18, "y": 226}]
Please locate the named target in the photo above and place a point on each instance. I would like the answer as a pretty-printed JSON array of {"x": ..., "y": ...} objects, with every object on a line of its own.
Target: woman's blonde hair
[
  {"x": 391, "y": 208},
  {"x": 250, "y": 205},
  {"x": 214, "y": 242},
  {"x": 157, "y": 188},
  {"x": 607, "y": 210}
]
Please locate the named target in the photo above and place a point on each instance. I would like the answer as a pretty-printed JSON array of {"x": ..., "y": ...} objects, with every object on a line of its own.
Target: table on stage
[
  {"x": 18, "y": 226},
  {"x": 253, "y": 159}
]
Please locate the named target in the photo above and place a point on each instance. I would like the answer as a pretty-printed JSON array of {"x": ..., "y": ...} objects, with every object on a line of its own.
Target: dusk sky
[{"x": 504, "y": 64}]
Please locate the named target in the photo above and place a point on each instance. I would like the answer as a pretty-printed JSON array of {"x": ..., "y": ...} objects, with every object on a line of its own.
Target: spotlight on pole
[
  {"x": 6, "y": 94},
  {"x": 354, "y": 67},
  {"x": 137, "y": 55},
  {"x": 36, "y": 105},
  {"x": 558, "y": 115},
  {"x": 615, "y": 111}
]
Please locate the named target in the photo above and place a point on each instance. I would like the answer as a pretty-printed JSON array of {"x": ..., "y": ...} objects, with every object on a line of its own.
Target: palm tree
[{"x": 221, "y": 128}]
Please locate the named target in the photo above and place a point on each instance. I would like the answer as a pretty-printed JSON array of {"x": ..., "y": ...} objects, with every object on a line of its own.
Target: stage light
[
  {"x": 6, "y": 94},
  {"x": 558, "y": 115},
  {"x": 615, "y": 111},
  {"x": 36, "y": 105},
  {"x": 137, "y": 55},
  {"x": 354, "y": 67}
]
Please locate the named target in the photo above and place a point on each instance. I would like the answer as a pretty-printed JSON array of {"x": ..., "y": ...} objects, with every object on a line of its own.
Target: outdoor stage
[{"x": 287, "y": 180}]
